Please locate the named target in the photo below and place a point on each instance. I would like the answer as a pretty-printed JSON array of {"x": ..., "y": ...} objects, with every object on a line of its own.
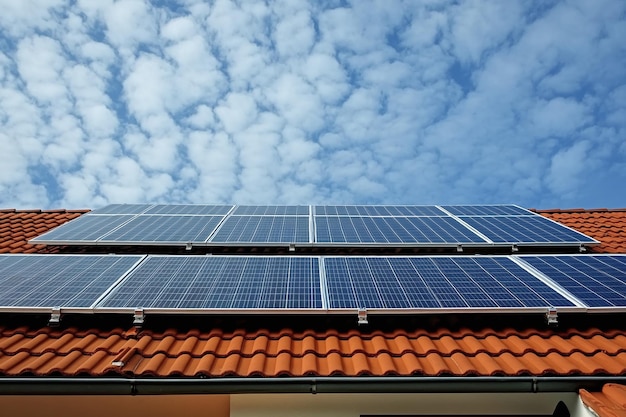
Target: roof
[
  {"x": 610, "y": 402},
  {"x": 607, "y": 226},
  {"x": 18, "y": 226},
  {"x": 261, "y": 353},
  {"x": 31, "y": 349}
]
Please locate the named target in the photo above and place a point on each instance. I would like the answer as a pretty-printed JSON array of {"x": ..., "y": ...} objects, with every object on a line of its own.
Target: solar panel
[
  {"x": 164, "y": 229},
  {"x": 86, "y": 228},
  {"x": 226, "y": 282},
  {"x": 272, "y": 210},
  {"x": 122, "y": 209},
  {"x": 435, "y": 283},
  {"x": 378, "y": 211},
  {"x": 357, "y": 225},
  {"x": 491, "y": 210},
  {"x": 388, "y": 230},
  {"x": 596, "y": 280},
  {"x": 525, "y": 230},
  {"x": 59, "y": 280},
  {"x": 265, "y": 229},
  {"x": 187, "y": 209}
]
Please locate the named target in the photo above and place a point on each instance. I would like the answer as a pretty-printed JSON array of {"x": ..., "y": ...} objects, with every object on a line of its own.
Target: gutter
[{"x": 299, "y": 385}]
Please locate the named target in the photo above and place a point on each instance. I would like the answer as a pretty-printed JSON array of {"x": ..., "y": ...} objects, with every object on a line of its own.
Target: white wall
[{"x": 353, "y": 405}]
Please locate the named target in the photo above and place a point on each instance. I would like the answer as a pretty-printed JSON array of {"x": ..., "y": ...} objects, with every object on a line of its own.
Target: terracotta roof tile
[
  {"x": 611, "y": 402},
  {"x": 607, "y": 226},
  {"x": 18, "y": 226},
  {"x": 215, "y": 354}
]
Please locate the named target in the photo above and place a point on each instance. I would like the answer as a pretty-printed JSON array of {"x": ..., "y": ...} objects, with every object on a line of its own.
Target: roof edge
[{"x": 302, "y": 385}]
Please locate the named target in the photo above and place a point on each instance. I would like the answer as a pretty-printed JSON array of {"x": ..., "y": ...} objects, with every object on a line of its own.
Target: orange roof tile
[
  {"x": 18, "y": 226},
  {"x": 607, "y": 226},
  {"x": 285, "y": 353},
  {"x": 611, "y": 402}
]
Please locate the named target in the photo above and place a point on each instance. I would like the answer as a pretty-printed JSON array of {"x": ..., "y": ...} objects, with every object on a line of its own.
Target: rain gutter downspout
[{"x": 303, "y": 385}]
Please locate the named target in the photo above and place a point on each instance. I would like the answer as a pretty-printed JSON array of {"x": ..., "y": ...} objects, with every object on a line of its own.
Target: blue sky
[{"x": 295, "y": 102}]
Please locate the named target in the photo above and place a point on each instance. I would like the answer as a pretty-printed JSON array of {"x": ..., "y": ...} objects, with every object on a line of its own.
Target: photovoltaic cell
[
  {"x": 59, "y": 280},
  {"x": 84, "y": 228},
  {"x": 598, "y": 281},
  {"x": 272, "y": 210},
  {"x": 186, "y": 209},
  {"x": 387, "y": 230},
  {"x": 122, "y": 209},
  {"x": 434, "y": 283},
  {"x": 494, "y": 210},
  {"x": 213, "y": 282},
  {"x": 164, "y": 229},
  {"x": 524, "y": 229},
  {"x": 266, "y": 229},
  {"x": 378, "y": 211}
]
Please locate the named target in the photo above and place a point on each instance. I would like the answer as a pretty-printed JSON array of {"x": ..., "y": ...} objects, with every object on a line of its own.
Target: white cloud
[{"x": 296, "y": 102}]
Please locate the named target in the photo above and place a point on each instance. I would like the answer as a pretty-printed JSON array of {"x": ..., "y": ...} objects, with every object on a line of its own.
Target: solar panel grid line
[
  {"x": 230, "y": 283},
  {"x": 68, "y": 281},
  {"x": 117, "y": 282},
  {"x": 311, "y": 218},
  {"x": 121, "y": 209},
  {"x": 324, "y": 295},
  {"x": 189, "y": 209},
  {"x": 468, "y": 226},
  {"x": 163, "y": 229},
  {"x": 519, "y": 260},
  {"x": 91, "y": 228},
  {"x": 533, "y": 296},
  {"x": 447, "y": 295},
  {"x": 179, "y": 283},
  {"x": 589, "y": 278},
  {"x": 486, "y": 210}
]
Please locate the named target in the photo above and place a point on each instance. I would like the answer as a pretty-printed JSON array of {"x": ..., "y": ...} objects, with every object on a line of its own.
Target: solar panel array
[
  {"x": 116, "y": 283},
  {"x": 59, "y": 280},
  {"x": 323, "y": 226}
]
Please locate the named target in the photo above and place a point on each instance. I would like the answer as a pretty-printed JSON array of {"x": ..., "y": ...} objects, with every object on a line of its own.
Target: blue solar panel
[
  {"x": 378, "y": 211},
  {"x": 596, "y": 280},
  {"x": 525, "y": 229},
  {"x": 122, "y": 209},
  {"x": 86, "y": 228},
  {"x": 495, "y": 210},
  {"x": 434, "y": 282},
  {"x": 164, "y": 229},
  {"x": 387, "y": 230},
  {"x": 213, "y": 282},
  {"x": 266, "y": 229},
  {"x": 272, "y": 210},
  {"x": 185, "y": 209},
  {"x": 59, "y": 280}
]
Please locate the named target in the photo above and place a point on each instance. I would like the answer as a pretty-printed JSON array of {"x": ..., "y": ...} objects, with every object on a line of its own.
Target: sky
[{"x": 319, "y": 102}]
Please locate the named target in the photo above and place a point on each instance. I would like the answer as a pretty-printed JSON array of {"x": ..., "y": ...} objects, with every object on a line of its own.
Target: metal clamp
[
  {"x": 552, "y": 317},
  {"x": 139, "y": 317},
  {"x": 362, "y": 316},
  {"x": 55, "y": 317}
]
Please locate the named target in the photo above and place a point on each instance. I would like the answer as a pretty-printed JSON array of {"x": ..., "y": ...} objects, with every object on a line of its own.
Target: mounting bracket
[
  {"x": 459, "y": 248},
  {"x": 514, "y": 249},
  {"x": 582, "y": 249},
  {"x": 139, "y": 317},
  {"x": 188, "y": 246},
  {"x": 55, "y": 317},
  {"x": 552, "y": 317},
  {"x": 362, "y": 316}
]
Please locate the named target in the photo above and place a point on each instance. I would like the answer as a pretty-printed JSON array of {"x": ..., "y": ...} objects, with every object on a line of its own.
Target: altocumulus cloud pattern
[{"x": 312, "y": 102}]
